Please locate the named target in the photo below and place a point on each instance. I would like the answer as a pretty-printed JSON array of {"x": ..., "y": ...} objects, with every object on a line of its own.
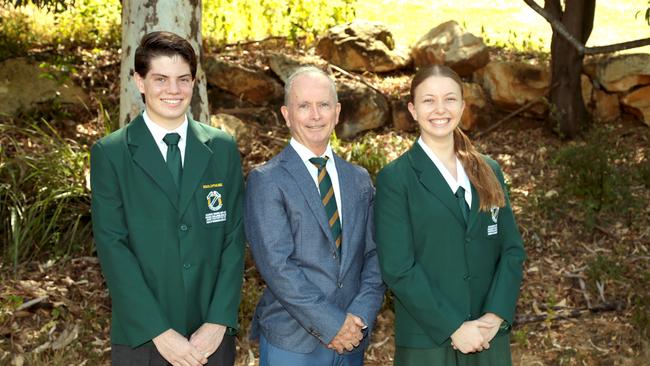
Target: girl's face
[{"x": 437, "y": 107}]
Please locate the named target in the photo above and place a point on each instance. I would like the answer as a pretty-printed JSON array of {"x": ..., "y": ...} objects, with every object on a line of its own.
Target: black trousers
[{"x": 148, "y": 355}]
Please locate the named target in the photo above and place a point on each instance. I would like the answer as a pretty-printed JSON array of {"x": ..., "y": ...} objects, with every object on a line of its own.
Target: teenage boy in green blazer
[{"x": 167, "y": 220}]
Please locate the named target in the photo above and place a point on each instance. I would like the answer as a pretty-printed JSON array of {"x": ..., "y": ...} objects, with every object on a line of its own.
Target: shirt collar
[
  {"x": 306, "y": 154},
  {"x": 159, "y": 132},
  {"x": 462, "y": 181}
]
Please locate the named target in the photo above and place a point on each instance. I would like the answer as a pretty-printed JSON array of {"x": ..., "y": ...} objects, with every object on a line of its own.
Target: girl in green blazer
[{"x": 448, "y": 244}]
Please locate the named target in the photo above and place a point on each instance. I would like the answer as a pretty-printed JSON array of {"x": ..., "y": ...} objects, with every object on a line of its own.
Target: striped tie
[{"x": 327, "y": 196}]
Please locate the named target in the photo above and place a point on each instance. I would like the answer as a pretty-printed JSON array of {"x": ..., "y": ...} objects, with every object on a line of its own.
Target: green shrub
[
  {"x": 44, "y": 202},
  {"x": 15, "y": 34},
  {"x": 594, "y": 173}
]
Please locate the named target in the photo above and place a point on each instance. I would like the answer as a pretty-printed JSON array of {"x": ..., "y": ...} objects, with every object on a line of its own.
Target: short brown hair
[{"x": 161, "y": 43}]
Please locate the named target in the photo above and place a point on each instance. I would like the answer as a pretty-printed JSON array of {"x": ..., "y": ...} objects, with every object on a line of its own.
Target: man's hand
[
  {"x": 207, "y": 338},
  {"x": 177, "y": 350},
  {"x": 349, "y": 336},
  {"x": 488, "y": 332},
  {"x": 469, "y": 338}
]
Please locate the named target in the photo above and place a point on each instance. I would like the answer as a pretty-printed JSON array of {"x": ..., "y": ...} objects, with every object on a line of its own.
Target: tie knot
[
  {"x": 172, "y": 138},
  {"x": 460, "y": 192},
  {"x": 319, "y": 162}
]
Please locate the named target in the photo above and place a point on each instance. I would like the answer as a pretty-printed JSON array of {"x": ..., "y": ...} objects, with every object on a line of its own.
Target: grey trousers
[{"x": 147, "y": 355}]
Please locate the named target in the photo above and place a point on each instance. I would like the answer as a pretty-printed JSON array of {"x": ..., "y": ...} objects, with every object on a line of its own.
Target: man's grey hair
[{"x": 307, "y": 70}]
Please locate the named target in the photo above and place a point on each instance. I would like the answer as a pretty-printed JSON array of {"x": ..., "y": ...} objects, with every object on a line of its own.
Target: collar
[
  {"x": 463, "y": 179},
  {"x": 159, "y": 132},
  {"x": 306, "y": 154}
]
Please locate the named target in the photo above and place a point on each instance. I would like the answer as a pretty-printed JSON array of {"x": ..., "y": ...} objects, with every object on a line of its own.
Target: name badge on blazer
[
  {"x": 493, "y": 229},
  {"x": 214, "y": 200}
]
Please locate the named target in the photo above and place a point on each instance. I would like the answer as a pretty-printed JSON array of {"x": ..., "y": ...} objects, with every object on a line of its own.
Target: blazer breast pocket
[{"x": 211, "y": 203}]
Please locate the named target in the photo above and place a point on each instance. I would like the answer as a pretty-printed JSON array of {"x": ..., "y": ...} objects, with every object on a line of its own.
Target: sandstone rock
[
  {"x": 638, "y": 103},
  {"x": 476, "y": 107},
  {"x": 622, "y": 73},
  {"x": 402, "y": 119},
  {"x": 587, "y": 89},
  {"x": 231, "y": 124},
  {"x": 22, "y": 86},
  {"x": 449, "y": 44},
  {"x": 361, "y": 46},
  {"x": 513, "y": 84},
  {"x": 607, "y": 107},
  {"x": 283, "y": 65},
  {"x": 362, "y": 108},
  {"x": 247, "y": 83}
]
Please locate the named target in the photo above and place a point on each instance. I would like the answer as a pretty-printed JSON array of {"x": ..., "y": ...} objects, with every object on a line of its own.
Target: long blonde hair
[{"x": 478, "y": 171}]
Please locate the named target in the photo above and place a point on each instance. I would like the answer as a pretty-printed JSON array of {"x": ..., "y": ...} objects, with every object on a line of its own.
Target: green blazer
[
  {"x": 442, "y": 271},
  {"x": 171, "y": 258}
]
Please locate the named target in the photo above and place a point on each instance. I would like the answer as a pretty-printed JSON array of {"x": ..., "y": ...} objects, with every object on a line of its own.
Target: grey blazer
[{"x": 309, "y": 287}]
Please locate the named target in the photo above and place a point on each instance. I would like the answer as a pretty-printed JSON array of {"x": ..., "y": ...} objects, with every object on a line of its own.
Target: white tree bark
[{"x": 140, "y": 17}]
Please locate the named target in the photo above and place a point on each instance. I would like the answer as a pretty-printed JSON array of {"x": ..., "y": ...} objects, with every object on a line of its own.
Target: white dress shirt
[
  {"x": 159, "y": 133},
  {"x": 306, "y": 154},
  {"x": 462, "y": 181}
]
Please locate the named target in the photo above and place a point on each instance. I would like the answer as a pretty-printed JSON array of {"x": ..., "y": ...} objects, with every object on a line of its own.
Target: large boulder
[
  {"x": 450, "y": 45},
  {"x": 587, "y": 89},
  {"x": 362, "y": 108},
  {"x": 476, "y": 107},
  {"x": 402, "y": 119},
  {"x": 246, "y": 82},
  {"x": 514, "y": 84},
  {"x": 231, "y": 124},
  {"x": 23, "y": 84},
  {"x": 361, "y": 46},
  {"x": 638, "y": 103},
  {"x": 284, "y": 65},
  {"x": 624, "y": 72},
  {"x": 606, "y": 106}
]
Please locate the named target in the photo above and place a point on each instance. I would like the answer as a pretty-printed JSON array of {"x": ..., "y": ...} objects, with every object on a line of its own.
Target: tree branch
[{"x": 558, "y": 27}]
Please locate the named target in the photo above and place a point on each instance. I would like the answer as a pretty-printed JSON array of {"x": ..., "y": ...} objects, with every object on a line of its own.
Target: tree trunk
[
  {"x": 182, "y": 17},
  {"x": 568, "y": 107}
]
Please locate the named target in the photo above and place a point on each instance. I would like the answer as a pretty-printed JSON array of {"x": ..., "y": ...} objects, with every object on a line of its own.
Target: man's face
[
  {"x": 312, "y": 111},
  {"x": 167, "y": 90}
]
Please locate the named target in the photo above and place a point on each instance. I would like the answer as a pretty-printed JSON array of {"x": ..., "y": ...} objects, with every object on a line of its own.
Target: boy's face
[{"x": 167, "y": 90}]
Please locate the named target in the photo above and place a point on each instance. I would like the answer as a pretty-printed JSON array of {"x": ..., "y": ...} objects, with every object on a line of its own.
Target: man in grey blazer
[{"x": 308, "y": 218}]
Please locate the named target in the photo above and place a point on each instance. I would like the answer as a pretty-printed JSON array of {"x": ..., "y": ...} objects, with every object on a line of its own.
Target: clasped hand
[
  {"x": 349, "y": 336},
  {"x": 476, "y": 335},
  {"x": 179, "y": 351}
]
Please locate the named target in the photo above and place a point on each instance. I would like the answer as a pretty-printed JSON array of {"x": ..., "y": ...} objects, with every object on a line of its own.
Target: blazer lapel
[
  {"x": 292, "y": 163},
  {"x": 197, "y": 157},
  {"x": 433, "y": 180},
  {"x": 148, "y": 157},
  {"x": 349, "y": 201},
  {"x": 473, "y": 213}
]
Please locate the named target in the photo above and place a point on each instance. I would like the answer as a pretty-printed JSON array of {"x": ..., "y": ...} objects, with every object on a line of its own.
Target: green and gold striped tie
[{"x": 327, "y": 196}]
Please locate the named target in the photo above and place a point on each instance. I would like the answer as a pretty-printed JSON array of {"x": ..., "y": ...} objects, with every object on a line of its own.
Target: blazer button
[
  {"x": 334, "y": 255},
  {"x": 340, "y": 284},
  {"x": 183, "y": 227},
  {"x": 187, "y": 266},
  {"x": 467, "y": 277}
]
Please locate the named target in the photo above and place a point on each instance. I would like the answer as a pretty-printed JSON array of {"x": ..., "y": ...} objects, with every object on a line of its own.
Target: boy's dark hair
[{"x": 162, "y": 43}]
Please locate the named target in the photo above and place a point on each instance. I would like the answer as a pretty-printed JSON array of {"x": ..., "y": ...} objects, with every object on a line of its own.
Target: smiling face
[
  {"x": 167, "y": 89},
  {"x": 312, "y": 111},
  {"x": 437, "y": 107}
]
